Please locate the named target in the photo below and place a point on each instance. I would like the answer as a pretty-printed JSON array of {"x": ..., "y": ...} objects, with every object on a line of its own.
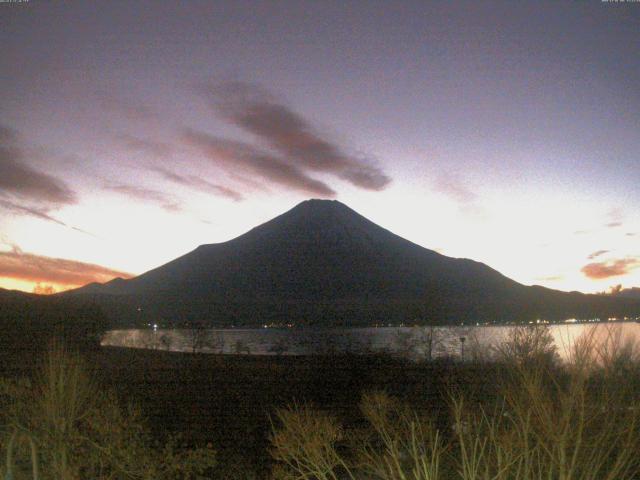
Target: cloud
[
  {"x": 238, "y": 155},
  {"x": 147, "y": 195},
  {"x": 616, "y": 217},
  {"x": 552, "y": 278},
  {"x": 597, "y": 254},
  {"x": 614, "y": 268},
  {"x": 35, "y": 212},
  {"x": 456, "y": 189},
  {"x": 37, "y": 268},
  {"x": 157, "y": 149},
  {"x": 200, "y": 184},
  {"x": 128, "y": 109},
  {"x": 20, "y": 179},
  {"x": 292, "y": 136}
]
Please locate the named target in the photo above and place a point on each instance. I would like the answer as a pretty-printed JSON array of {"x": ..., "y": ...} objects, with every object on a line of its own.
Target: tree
[
  {"x": 199, "y": 336},
  {"x": 279, "y": 346},
  {"x": 241, "y": 347},
  {"x": 165, "y": 341},
  {"x": 529, "y": 345},
  {"x": 428, "y": 342}
]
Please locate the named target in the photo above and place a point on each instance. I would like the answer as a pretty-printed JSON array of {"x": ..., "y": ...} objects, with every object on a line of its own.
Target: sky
[{"x": 505, "y": 132}]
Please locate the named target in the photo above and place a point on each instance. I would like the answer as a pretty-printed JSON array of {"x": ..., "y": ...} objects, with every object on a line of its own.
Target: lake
[{"x": 412, "y": 342}]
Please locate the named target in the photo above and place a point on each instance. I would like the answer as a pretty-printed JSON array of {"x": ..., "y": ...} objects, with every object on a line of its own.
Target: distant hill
[
  {"x": 6, "y": 294},
  {"x": 321, "y": 263},
  {"x": 29, "y": 322},
  {"x": 630, "y": 293}
]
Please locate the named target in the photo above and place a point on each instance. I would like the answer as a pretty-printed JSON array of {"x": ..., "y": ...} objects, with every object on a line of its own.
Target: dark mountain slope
[{"x": 630, "y": 293}]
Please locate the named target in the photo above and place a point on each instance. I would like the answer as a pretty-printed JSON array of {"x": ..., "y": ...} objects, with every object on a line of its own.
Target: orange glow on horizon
[{"x": 41, "y": 288}]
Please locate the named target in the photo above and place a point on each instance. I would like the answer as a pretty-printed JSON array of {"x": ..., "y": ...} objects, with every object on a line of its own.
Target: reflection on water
[{"x": 413, "y": 342}]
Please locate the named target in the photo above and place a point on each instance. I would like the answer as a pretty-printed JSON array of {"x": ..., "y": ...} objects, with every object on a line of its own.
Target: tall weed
[{"x": 60, "y": 425}]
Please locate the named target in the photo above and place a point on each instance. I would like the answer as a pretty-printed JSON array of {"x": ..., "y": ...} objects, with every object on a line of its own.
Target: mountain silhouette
[
  {"x": 633, "y": 292},
  {"x": 321, "y": 263}
]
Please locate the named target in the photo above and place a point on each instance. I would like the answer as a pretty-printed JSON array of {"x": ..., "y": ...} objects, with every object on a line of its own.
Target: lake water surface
[{"x": 413, "y": 342}]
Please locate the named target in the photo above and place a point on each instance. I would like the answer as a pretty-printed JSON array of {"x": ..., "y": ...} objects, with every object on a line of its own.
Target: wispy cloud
[
  {"x": 200, "y": 184},
  {"x": 40, "y": 213},
  {"x": 615, "y": 218},
  {"x": 18, "y": 265},
  {"x": 613, "y": 268},
  {"x": 24, "y": 181},
  {"x": 147, "y": 195},
  {"x": 135, "y": 111},
  {"x": 597, "y": 254},
  {"x": 455, "y": 188},
  {"x": 153, "y": 147},
  {"x": 238, "y": 155},
  {"x": 296, "y": 140},
  {"x": 33, "y": 212},
  {"x": 552, "y": 278}
]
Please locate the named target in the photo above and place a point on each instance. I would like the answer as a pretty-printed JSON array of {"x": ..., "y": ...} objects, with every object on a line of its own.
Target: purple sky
[{"x": 506, "y": 132}]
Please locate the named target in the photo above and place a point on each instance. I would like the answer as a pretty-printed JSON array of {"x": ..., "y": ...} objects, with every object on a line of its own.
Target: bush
[
  {"x": 576, "y": 422},
  {"x": 527, "y": 346},
  {"x": 61, "y": 426}
]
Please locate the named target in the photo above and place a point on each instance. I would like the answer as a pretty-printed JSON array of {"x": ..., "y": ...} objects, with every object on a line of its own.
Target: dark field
[
  {"x": 283, "y": 417},
  {"x": 228, "y": 400}
]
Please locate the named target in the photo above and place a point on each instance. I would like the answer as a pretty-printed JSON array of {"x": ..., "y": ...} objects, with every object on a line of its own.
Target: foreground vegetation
[
  {"x": 119, "y": 413},
  {"x": 60, "y": 425},
  {"x": 579, "y": 422}
]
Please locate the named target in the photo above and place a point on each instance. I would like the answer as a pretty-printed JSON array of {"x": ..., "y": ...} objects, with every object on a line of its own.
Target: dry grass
[
  {"x": 60, "y": 425},
  {"x": 573, "y": 422}
]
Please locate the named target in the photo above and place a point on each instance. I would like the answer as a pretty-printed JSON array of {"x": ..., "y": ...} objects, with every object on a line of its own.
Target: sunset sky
[{"x": 505, "y": 132}]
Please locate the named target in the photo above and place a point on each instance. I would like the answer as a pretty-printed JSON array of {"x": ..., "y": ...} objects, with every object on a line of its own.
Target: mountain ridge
[{"x": 322, "y": 263}]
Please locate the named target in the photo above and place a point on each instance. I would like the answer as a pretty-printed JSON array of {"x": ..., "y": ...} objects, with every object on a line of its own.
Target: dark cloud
[
  {"x": 237, "y": 155},
  {"x": 37, "y": 268},
  {"x": 200, "y": 184},
  {"x": 20, "y": 179},
  {"x": 157, "y": 149},
  {"x": 597, "y": 254},
  {"x": 147, "y": 195},
  {"x": 257, "y": 112},
  {"x": 41, "y": 213},
  {"x": 7, "y": 135},
  {"x": 33, "y": 212},
  {"x": 614, "y": 268}
]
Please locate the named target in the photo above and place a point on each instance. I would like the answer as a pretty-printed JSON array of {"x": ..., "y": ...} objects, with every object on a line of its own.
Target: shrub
[
  {"x": 527, "y": 346},
  {"x": 61, "y": 426},
  {"x": 576, "y": 422}
]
